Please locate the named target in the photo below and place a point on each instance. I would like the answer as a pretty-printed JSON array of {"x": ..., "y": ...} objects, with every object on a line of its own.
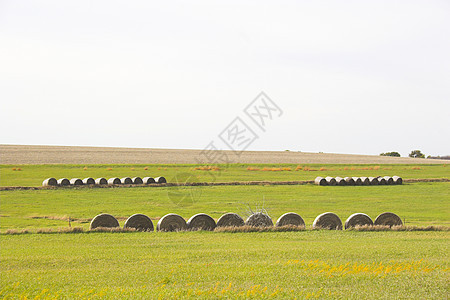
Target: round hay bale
[
  {"x": 89, "y": 181},
  {"x": 76, "y": 181},
  {"x": 50, "y": 182},
  {"x": 139, "y": 222},
  {"x": 201, "y": 222},
  {"x": 230, "y": 219},
  {"x": 358, "y": 219},
  {"x": 101, "y": 180},
  {"x": 330, "y": 181},
  {"x": 63, "y": 182},
  {"x": 126, "y": 180},
  {"x": 137, "y": 180},
  {"x": 349, "y": 180},
  {"x": 160, "y": 179},
  {"x": 114, "y": 180},
  {"x": 340, "y": 181},
  {"x": 259, "y": 220},
  {"x": 320, "y": 181},
  {"x": 148, "y": 180},
  {"x": 397, "y": 180},
  {"x": 365, "y": 180},
  {"x": 328, "y": 220},
  {"x": 171, "y": 222},
  {"x": 381, "y": 181},
  {"x": 389, "y": 180},
  {"x": 388, "y": 219},
  {"x": 357, "y": 180},
  {"x": 373, "y": 180},
  {"x": 104, "y": 220},
  {"x": 290, "y": 218}
]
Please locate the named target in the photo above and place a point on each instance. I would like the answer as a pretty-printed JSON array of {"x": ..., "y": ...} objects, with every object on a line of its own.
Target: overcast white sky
[{"x": 350, "y": 76}]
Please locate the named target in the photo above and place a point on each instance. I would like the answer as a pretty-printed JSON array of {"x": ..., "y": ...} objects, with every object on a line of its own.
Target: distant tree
[
  {"x": 416, "y": 154},
  {"x": 396, "y": 154}
]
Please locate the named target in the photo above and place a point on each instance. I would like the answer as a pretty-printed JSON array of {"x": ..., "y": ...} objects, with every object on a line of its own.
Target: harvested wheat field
[{"x": 18, "y": 154}]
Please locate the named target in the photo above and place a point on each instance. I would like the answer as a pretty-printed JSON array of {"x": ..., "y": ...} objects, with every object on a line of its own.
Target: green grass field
[
  {"x": 308, "y": 264},
  {"x": 417, "y": 203},
  {"x": 305, "y": 264},
  {"x": 33, "y": 175}
]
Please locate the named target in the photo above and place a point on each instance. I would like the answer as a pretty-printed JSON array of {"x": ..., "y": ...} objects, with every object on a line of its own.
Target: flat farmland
[
  {"x": 247, "y": 265},
  {"x": 33, "y": 175},
  {"x": 19, "y": 154},
  {"x": 210, "y": 265}
]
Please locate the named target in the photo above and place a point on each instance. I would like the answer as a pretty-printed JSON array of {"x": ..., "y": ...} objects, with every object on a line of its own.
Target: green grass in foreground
[
  {"x": 325, "y": 264},
  {"x": 33, "y": 175},
  {"x": 421, "y": 204}
]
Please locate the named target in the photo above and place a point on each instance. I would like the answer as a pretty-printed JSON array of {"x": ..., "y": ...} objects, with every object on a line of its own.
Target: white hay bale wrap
[
  {"x": 88, "y": 181},
  {"x": 290, "y": 218},
  {"x": 328, "y": 220},
  {"x": 349, "y": 180},
  {"x": 358, "y": 219},
  {"x": 320, "y": 181},
  {"x": 357, "y": 180},
  {"x": 148, "y": 180},
  {"x": 101, "y": 180},
  {"x": 365, "y": 180},
  {"x": 388, "y": 219},
  {"x": 63, "y": 182},
  {"x": 126, "y": 180},
  {"x": 201, "y": 222},
  {"x": 171, "y": 222},
  {"x": 389, "y": 180},
  {"x": 373, "y": 180},
  {"x": 397, "y": 180},
  {"x": 139, "y": 222},
  {"x": 160, "y": 179},
  {"x": 114, "y": 180},
  {"x": 230, "y": 219},
  {"x": 259, "y": 219},
  {"x": 50, "y": 182},
  {"x": 330, "y": 181},
  {"x": 340, "y": 181},
  {"x": 137, "y": 180},
  {"x": 76, "y": 181},
  {"x": 104, "y": 220},
  {"x": 381, "y": 181}
]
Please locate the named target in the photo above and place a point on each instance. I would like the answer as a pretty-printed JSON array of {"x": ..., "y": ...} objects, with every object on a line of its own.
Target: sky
[{"x": 359, "y": 77}]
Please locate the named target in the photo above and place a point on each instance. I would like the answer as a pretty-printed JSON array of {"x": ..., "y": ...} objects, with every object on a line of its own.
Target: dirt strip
[
  {"x": 15, "y": 188},
  {"x": 31, "y": 154}
]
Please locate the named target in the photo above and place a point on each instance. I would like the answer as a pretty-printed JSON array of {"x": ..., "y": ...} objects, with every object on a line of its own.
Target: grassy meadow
[
  {"x": 33, "y": 175},
  {"x": 417, "y": 203},
  {"x": 304, "y": 264}
]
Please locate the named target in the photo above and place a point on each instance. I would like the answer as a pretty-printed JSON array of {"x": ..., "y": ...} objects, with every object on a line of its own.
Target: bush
[
  {"x": 416, "y": 154},
  {"x": 396, "y": 154}
]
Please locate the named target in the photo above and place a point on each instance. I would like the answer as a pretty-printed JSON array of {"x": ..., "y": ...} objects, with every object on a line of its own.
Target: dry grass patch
[{"x": 246, "y": 228}]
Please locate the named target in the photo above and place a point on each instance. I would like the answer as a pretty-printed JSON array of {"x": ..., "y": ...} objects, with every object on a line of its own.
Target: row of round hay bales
[
  {"x": 380, "y": 180},
  {"x": 174, "y": 222},
  {"x": 102, "y": 181},
  {"x": 330, "y": 220}
]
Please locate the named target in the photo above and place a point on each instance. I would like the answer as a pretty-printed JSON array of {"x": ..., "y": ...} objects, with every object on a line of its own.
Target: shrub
[
  {"x": 393, "y": 153},
  {"x": 416, "y": 154}
]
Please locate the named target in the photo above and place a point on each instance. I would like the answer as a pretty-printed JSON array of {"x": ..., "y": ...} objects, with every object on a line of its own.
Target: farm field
[
  {"x": 307, "y": 264},
  {"x": 33, "y": 175},
  {"x": 31, "y": 154},
  {"x": 417, "y": 203},
  {"x": 304, "y": 264}
]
